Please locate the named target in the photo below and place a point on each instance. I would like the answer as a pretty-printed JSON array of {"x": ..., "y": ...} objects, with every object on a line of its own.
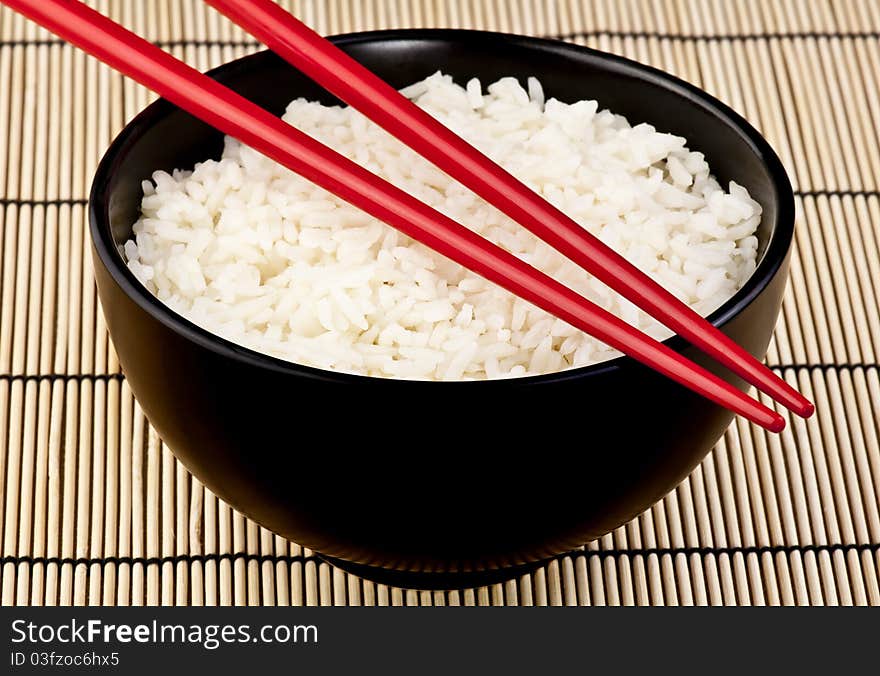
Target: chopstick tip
[
  {"x": 776, "y": 423},
  {"x": 806, "y": 409},
  {"x": 796, "y": 402}
]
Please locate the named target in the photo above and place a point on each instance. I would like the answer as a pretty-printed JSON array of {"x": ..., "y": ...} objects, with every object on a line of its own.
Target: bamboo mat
[{"x": 95, "y": 510}]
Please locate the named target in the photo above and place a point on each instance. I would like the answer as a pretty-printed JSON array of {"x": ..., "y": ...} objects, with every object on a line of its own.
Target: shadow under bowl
[{"x": 431, "y": 478}]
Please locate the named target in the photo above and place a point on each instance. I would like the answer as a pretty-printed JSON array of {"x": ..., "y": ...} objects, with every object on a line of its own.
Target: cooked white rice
[{"x": 254, "y": 253}]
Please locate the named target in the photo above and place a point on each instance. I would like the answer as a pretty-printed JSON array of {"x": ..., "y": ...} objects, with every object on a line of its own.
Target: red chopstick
[
  {"x": 332, "y": 68},
  {"x": 234, "y": 115}
]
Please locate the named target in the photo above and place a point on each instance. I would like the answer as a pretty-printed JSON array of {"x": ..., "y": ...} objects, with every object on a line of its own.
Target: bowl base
[{"x": 432, "y": 581}]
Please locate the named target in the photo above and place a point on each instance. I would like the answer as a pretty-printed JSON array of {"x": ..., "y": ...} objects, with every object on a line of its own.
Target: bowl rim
[{"x": 774, "y": 255}]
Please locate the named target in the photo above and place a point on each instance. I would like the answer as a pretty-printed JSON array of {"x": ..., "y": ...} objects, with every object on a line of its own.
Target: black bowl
[{"x": 427, "y": 477}]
